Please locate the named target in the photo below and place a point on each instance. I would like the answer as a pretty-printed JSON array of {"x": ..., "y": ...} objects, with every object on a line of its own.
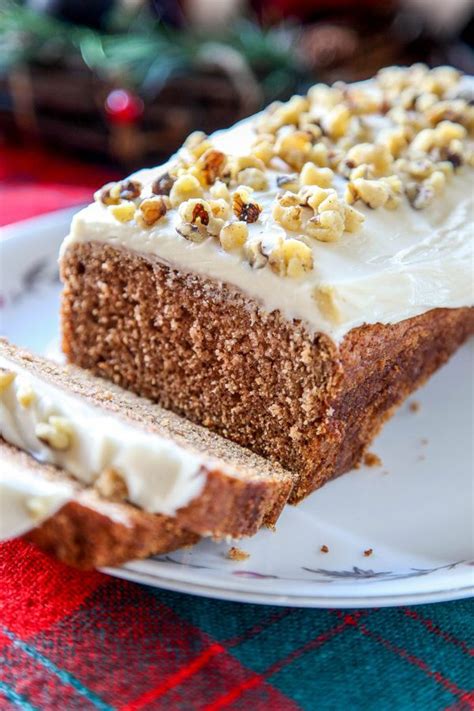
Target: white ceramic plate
[{"x": 415, "y": 511}]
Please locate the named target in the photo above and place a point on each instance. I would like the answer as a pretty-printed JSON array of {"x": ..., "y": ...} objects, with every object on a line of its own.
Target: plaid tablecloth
[{"x": 70, "y": 640}]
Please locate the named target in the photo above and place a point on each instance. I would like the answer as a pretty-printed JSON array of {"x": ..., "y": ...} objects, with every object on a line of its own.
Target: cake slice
[
  {"x": 72, "y": 521},
  {"x": 289, "y": 281},
  {"x": 125, "y": 450}
]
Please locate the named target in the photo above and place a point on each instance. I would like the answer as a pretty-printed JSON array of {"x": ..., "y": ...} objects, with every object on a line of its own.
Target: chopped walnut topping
[
  {"x": 37, "y": 508},
  {"x": 385, "y": 192},
  {"x": 197, "y": 211},
  {"x": 211, "y": 166},
  {"x": 124, "y": 211},
  {"x": 336, "y": 122},
  {"x": 420, "y": 195},
  {"x": 360, "y": 101},
  {"x": 325, "y": 97},
  {"x": 288, "y": 182},
  {"x": 200, "y": 212},
  {"x": 193, "y": 233},
  {"x": 57, "y": 432},
  {"x": 263, "y": 150},
  {"x": 291, "y": 257},
  {"x": 220, "y": 208},
  {"x": 113, "y": 193},
  {"x": 440, "y": 137},
  {"x": 130, "y": 190},
  {"x": 327, "y": 226},
  {"x": 330, "y": 215},
  {"x": 163, "y": 184},
  {"x": 396, "y": 140},
  {"x": 311, "y": 174},
  {"x": 151, "y": 210},
  {"x": 378, "y": 157},
  {"x": 241, "y": 163},
  {"x": 306, "y": 144},
  {"x": 109, "y": 194},
  {"x": 6, "y": 378},
  {"x": 288, "y": 211},
  {"x": 196, "y": 144},
  {"x": 184, "y": 188},
  {"x": 26, "y": 396},
  {"x": 243, "y": 207},
  {"x": 294, "y": 148},
  {"x": 220, "y": 191},
  {"x": 326, "y": 301},
  {"x": 253, "y": 178},
  {"x": 353, "y": 219},
  {"x": 319, "y": 154},
  {"x": 278, "y": 114},
  {"x": 111, "y": 485},
  {"x": 254, "y": 254},
  {"x": 233, "y": 235}
]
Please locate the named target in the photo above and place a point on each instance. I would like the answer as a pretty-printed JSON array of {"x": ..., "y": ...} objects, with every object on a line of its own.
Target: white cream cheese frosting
[
  {"x": 27, "y": 502},
  {"x": 160, "y": 475},
  {"x": 400, "y": 264}
]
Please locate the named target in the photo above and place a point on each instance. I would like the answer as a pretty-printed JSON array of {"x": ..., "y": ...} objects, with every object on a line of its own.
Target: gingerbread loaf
[{"x": 288, "y": 282}]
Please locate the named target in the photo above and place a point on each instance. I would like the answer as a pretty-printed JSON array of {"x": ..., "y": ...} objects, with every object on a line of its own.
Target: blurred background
[{"x": 118, "y": 84}]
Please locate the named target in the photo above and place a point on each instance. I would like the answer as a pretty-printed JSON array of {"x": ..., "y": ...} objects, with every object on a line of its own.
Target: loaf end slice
[{"x": 90, "y": 532}]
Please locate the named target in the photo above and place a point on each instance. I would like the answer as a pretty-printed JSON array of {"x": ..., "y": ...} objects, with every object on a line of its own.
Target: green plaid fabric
[{"x": 71, "y": 640}]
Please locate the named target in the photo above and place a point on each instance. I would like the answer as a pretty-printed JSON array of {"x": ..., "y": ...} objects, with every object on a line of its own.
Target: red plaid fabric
[{"x": 72, "y": 640}]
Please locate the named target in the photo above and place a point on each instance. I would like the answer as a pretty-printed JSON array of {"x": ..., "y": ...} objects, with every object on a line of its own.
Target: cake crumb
[
  {"x": 372, "y": 460},
  {"x": 414, "y": 406},
  {"x": 237, "y": 554},
  {"x": 368, "y": 552},
  {"x": 324, "y": 549}
]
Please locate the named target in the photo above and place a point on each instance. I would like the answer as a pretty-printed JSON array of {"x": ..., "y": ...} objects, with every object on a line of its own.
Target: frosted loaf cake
[{"x": 289, "y": 281}]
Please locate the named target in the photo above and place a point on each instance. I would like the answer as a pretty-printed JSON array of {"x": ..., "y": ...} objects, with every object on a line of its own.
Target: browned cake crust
[
  {"x": 205, "y": 351},
  {"x": 90, "y": 532},
  {"x": 242, "y": 491}
]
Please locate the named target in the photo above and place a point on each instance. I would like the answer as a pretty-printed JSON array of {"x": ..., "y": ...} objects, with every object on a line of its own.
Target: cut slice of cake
[
  {"x": 288, "y": 282},
  {"x": 125, "y": 450},
  {"x": 72, "y": 521}
]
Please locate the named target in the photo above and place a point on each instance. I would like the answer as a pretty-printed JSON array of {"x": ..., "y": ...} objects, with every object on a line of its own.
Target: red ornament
[{"x": 123, "y": 107}]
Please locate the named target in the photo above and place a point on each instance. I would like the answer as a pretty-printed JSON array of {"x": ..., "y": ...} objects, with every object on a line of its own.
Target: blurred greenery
[{"x": 141, "y": 53}]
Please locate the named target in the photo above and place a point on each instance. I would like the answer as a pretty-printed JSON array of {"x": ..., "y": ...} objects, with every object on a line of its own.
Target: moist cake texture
[{"x": 288, "y": 282}]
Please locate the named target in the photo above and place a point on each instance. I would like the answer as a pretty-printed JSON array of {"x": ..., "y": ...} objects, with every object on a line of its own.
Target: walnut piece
[
  {"x": 151, "y": 210},
  {"x": 6, "y": 378},
  {"x": 163, "y": 184},
  {"x": 244, "y": 208},
  {"x": 26, "y": 396},
  {"x": 291, "y": 257},
  {"x": 233, "y": 235},
  {"x": 193, "y": 233},
  {"x": 254, "y": 254},
  {"x": 111, "y": 485},
  {"x": 57, "y": 432}
]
